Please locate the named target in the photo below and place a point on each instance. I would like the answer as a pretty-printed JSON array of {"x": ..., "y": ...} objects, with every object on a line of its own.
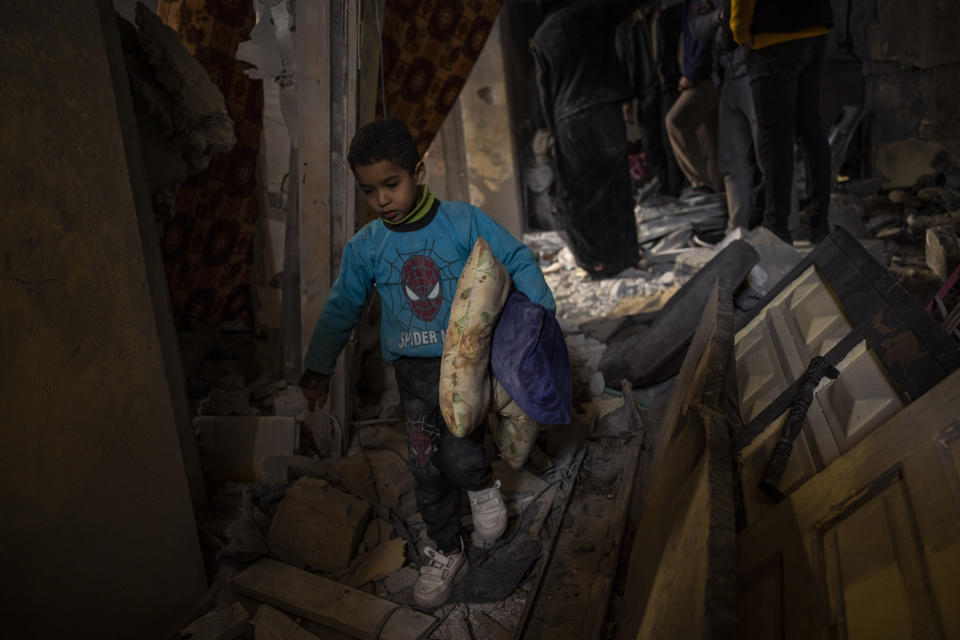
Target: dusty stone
[{"x": 317, "y": 526}]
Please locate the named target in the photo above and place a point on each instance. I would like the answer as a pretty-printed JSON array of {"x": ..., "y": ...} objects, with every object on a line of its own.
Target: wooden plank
[
  {"x": 272, "y": 624},
  {"x": 326, "y": 602},
  {"x": 683, "y": 554},
  {"x": 314, "y": 146}
]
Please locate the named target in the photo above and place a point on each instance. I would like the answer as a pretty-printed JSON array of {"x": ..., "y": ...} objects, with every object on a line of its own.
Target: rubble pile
[{"x": 911, "y": 231}]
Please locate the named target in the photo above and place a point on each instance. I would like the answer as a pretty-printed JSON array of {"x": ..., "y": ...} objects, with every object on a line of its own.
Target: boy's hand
[{"x": 315, "y": 386}]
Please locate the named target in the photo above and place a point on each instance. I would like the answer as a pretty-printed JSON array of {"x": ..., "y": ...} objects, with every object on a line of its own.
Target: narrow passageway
[{"x": 480, "y": 320}]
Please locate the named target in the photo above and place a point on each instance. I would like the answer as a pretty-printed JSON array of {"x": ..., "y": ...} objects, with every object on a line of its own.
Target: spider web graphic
[{"x": 392, "y": 289}]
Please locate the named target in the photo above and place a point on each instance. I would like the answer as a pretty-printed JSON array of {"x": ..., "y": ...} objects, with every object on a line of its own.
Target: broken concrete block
[
  {"x": 904, "y": 161},
  {"x": 234, "y": 448},
  {"x": 381, "y": 561},
  {"x": 317, "y": 526},
  {"x": 273, "y": 624},
  {"x": 392, "y": 476},
  {"x": 942, "y": 249},
  {"x": 777, "y": 258},
  {"x": 225, "y": 623},
  {"x": 354, "y": 474}
]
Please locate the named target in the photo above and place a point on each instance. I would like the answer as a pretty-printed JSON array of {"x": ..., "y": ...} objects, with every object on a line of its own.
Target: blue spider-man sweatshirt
[{"x": 415, "y": 267}]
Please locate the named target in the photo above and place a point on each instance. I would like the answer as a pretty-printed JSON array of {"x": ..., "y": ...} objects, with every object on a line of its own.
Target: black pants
[
  {"x": 440, "y": 462},
  {"x": 785, "y": 80},
  {"x": 595, "y": 213}
]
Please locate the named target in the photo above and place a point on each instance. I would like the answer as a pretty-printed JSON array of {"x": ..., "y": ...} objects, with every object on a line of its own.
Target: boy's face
[{"x": 389, "y": 189}]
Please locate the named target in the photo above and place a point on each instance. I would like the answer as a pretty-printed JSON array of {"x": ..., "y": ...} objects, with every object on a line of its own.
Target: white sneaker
[
  {"x": 437, "y": 577},
  {"x": 489, "y": 513}
]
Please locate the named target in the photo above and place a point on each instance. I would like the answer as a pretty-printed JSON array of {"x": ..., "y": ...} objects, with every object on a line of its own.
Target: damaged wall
[
  {"x": 98, "y": 535},
  {"x": 911, "y": 62}
]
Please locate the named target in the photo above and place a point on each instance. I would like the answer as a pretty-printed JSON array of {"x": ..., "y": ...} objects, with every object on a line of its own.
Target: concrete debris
[
  {"x": 193, "y": 111},
  {"x": 225, "y": 623},
  {"x": 234, "y": 448},
  {"x": 317, "y": 526},
  {"x": 381, "y": 561},
  {"x": 942, "y": 251},
  {"x": 329, "y": 603}
]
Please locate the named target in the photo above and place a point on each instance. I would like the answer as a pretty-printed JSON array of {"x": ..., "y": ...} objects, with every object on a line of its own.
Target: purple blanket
[{"x": 529, "y": 358}]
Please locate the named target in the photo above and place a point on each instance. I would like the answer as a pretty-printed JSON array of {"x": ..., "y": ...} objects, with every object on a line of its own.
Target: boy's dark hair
[{"x": 383, "y": 140}]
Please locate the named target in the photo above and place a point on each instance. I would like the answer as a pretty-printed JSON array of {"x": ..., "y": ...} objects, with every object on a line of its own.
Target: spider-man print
[
  {"x": 422, "y": 286},
  {"x": 415, "y": 292},
  {"x": 422, "y": 445}
]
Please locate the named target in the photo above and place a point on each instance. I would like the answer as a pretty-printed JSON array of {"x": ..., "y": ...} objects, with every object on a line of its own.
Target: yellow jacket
[{"x": 741, "y": 18}]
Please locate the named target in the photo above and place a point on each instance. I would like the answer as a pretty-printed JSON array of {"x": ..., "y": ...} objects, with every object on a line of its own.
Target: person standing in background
[
  {"x": 787, "y": 39},
  {"x": 692, "y": 120},
  {"x": 738, "y": 132},
  {"x": 582, "y": 90}
]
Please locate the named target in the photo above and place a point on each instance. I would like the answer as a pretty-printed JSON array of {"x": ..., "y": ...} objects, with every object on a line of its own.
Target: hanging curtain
[
  {"x": 208, "y": 247},
  {"x": 429, "y": 48}
]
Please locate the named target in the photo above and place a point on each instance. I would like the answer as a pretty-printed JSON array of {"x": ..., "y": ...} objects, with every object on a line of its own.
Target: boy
[{"x": 414, "y": 254}]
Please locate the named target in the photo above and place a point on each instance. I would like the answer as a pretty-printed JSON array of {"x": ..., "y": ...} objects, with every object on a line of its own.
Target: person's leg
[
  {"x": 734, "y": 153},
  {"x": 438, "y": 498},
  {"x": 595, "y": 216},
  {"x": 709, "y": 140},
  {"x": 810, "y": 130},
  {"x": 693, "y": 108},
  {"x": 773, "y": 82}
]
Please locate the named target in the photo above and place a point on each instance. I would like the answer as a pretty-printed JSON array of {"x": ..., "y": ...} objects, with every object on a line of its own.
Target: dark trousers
[
  {"x": 440, "y": 462},
  {"x": 595, "y": 213},
  {"x": 785, "y": 80}
]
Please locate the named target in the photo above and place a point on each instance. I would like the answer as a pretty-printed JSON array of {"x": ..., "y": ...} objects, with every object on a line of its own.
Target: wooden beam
[
  {"x": 329, "y": 603},
  {"x": 313, "y": 166}
]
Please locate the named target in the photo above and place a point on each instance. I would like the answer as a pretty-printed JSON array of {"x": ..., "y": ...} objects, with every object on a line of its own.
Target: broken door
[
  {"x": 838, "y": 303},
  {"x": 870, "y": 547}
]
